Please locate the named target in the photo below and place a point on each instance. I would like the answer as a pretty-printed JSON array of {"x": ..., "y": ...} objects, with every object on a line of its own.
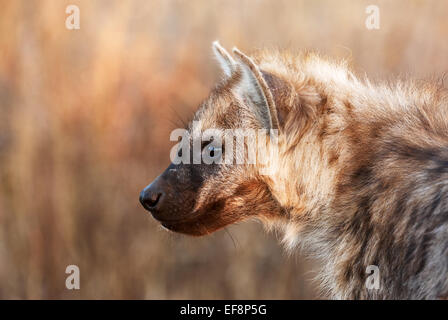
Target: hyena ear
[
  {"x": 226, "y": 61},
  {"x": 255, "y": 87}
]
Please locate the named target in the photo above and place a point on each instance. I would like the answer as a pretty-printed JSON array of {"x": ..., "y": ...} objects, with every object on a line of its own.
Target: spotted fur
[{"x": 361, "y": 176}]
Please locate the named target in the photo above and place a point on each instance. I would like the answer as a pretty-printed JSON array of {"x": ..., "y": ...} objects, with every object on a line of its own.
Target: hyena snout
[
  {"x": 175, "y": 201},
  {"x": 153, "y": 196},
  {"x": 170, "y": 198}
]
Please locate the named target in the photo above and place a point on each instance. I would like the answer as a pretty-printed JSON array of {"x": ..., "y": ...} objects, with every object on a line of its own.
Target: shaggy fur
[{"x": 360, "y": 177}]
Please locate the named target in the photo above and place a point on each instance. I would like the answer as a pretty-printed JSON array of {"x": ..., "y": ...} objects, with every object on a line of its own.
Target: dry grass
[{"x": 85, "y": 118}]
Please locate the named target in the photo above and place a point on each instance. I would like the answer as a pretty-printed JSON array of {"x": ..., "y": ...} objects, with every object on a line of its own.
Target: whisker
[{"x": 235, "y": 243}]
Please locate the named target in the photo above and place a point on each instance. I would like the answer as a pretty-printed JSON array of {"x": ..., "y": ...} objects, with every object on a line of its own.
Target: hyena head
[{"x": 217, "y": 175}]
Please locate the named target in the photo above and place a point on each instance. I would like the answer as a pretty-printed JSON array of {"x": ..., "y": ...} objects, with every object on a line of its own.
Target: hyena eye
[{"x": 212, "y": 151}]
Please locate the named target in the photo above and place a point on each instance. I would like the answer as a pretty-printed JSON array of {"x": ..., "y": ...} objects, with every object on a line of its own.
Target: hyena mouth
[
  {"x": 182, "y": 225},
  {"x": 188, "y": 227},
  {"x": 169, "y": 222},
  {"x": 198, "y": 223}
]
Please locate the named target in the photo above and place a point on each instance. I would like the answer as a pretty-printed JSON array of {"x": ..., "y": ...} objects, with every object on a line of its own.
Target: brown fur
[{"x": 361, "y": 178}]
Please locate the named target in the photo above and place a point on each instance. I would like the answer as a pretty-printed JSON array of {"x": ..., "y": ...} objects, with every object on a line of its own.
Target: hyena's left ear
[
  {"x": 255, "y": 87},
  {"x": 226, "y": 61}
]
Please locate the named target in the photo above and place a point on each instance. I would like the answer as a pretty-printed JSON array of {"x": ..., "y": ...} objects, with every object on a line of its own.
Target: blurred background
[{"x": 85, "y": 118}]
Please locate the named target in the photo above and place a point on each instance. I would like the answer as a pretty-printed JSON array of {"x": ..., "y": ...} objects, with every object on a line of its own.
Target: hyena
[{"x": 359, "y": 179}]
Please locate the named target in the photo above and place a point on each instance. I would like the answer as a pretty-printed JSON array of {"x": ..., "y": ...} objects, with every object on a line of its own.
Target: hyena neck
[
  {"x": 306, "y": 170},
  {"x": 360, "y": 168}
]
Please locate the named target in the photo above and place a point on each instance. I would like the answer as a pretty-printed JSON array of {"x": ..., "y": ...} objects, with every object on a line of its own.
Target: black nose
[{"x": 150, "y": 198}]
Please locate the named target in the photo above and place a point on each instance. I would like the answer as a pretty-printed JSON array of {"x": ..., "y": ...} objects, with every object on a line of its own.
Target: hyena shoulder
[{"x": 375, "y": 183}]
